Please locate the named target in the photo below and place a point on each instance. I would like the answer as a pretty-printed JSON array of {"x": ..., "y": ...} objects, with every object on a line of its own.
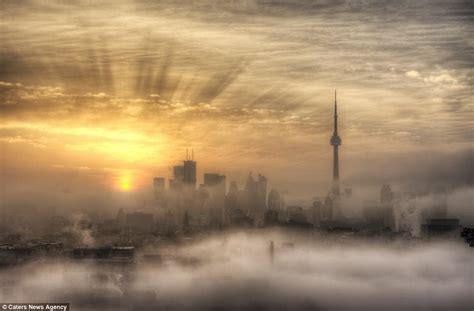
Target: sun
[{"x": 125, "y": 182}]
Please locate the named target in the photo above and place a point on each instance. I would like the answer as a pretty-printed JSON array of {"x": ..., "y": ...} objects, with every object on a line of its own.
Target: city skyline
[
  {"x": 112, "y": 96},
  {"x": 236, "y": 155}
]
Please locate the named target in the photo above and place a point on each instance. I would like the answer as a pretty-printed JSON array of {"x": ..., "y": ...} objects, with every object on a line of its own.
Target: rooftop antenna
[
  {"x": 186, "y": 154},
  {"x": 192, "y": 154}
]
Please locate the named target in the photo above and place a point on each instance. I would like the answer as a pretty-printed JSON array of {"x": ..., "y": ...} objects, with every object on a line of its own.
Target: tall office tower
[
  {"x": 189, "y": 171},
  {"x": 335, "y": 142}
]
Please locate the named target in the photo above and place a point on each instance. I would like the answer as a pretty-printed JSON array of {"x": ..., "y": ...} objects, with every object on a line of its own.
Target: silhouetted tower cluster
[{"x": 184, "y": 176}]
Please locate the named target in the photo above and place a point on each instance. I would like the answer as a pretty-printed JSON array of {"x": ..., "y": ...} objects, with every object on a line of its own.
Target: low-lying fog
[{"x": 235, "y": 271}]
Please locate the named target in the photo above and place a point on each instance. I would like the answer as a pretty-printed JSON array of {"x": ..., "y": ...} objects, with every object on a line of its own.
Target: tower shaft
[{"x": 335, "y": 169}]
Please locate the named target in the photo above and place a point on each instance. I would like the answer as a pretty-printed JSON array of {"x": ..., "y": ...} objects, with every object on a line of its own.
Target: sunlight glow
[
  {"x": 125, "y": 182},
  {"x": 126, "y": 145}
]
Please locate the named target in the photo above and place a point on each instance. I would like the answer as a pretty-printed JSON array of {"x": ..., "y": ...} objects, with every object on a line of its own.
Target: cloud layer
[{"x": 127, "y": 85}]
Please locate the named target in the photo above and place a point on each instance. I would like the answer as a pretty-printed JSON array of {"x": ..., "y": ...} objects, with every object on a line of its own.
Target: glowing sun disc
[{"x": 125, "y": 183}]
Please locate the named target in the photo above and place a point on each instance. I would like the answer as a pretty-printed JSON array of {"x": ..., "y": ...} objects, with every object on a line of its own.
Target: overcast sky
[{"x": 93, "y": 91}]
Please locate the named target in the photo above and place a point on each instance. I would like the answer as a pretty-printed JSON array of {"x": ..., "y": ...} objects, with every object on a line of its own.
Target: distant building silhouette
[
  {"x": 332, "y": 209},
  {"x": 184, "y": 176},
  {"x": 297, "y": 216},
  {"x": 189, "y": 172},
  {"x": 256, "y": 191},
  {"x": 159, "y": 183},
  {"x": 387, "y": 197},
  {"x": 231, "y": 201},
  {"x": 178, "y": 176},
  {"x": 335, "y": 142},
  {"x": 215, "y": 187},
  {"x": 443, "y": 227},
  {"x": 274, "y": 200},
  {"x": 217, "y": 182}
]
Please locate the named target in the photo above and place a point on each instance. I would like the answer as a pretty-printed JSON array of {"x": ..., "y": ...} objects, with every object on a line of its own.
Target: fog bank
[{"x": 235, "y": 272}]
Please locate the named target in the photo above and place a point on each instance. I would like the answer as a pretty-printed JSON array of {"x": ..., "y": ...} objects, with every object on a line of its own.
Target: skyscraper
[
  {"x": 189, "y": 171},
  {"x": 335, "y": 142},
  {"x": 184, "y": 176},
  {"x": 189, "y": 174},
  {"x": 257, "y": 194}
]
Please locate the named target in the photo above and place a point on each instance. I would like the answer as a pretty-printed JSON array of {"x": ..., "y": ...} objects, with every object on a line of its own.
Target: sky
[{"x": 98, "y": 94}]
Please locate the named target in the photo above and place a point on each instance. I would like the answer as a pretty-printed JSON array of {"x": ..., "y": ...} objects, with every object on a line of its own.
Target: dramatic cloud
[{"x": 128, "y": 85}]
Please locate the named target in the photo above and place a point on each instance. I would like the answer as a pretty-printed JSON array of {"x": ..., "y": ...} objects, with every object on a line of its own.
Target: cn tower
[{"x": 335, "y": 142}]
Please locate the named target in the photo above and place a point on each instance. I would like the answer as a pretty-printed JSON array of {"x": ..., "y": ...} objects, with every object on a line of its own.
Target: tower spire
[
  {"x": 335, "y": 112},
  {"x": 335, "y": 142}
]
